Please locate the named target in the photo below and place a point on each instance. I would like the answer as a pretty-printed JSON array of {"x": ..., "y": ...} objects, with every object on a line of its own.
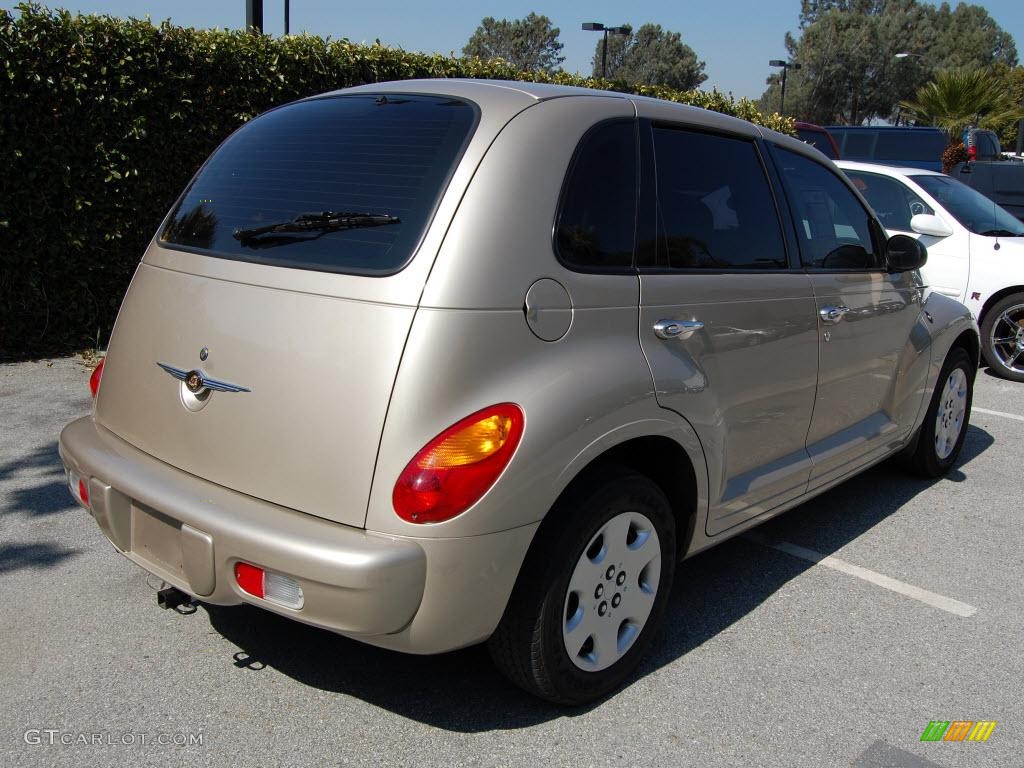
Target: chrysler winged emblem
[{"x": 196, "y": 381}]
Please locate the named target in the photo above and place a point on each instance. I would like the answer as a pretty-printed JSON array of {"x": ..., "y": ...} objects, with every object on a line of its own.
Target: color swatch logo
[{"x": 958, "y": 730}]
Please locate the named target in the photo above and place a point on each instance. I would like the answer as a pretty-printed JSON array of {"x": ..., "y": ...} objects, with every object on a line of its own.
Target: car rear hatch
[{"x": 291, "y": 335}]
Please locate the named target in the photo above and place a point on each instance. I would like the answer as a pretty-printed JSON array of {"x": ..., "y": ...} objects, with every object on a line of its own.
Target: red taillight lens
[
  {"x": 972, "y": 152},
  {"x": 456, "y": 468},
  {"x": 249, "y": 578},
  {"x": 94, "y": 380},
  {"x": 83, "y": 492}
]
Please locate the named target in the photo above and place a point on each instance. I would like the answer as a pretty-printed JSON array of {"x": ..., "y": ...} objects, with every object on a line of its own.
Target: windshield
[
  {"x": 381, "y": 154},
  {"x": 971, "y": 208}
]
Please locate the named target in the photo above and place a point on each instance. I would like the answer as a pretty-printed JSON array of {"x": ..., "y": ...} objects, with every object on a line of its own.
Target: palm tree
[{"x": 958, "y": 98}]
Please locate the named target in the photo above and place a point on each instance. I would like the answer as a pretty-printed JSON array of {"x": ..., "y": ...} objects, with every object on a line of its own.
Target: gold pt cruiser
[{"x": 434, "y": 363}]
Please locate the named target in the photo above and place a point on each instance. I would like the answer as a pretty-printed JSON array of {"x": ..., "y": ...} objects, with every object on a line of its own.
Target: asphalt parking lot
[{"x": 768, "y": 658}]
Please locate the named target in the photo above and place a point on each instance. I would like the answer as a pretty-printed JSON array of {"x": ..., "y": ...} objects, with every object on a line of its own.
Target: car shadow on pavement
[
  {"x": 40, "y": 491},
  {"x": 461, "y": 691}
]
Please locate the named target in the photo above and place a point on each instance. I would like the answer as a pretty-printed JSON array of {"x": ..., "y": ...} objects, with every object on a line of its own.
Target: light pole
[
  {"x": 786, "y": 66},
  {"x": 593, "y": 26}
]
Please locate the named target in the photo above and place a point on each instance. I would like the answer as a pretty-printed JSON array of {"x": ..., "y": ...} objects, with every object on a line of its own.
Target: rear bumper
[{"x": 190, "y": 533}]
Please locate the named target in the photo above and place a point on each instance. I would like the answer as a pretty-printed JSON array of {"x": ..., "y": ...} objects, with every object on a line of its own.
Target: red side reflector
[
  {"x": 83, "y": 492},
  {"x": 249, "y": 578},
  {"x": 94, "y": 380}
]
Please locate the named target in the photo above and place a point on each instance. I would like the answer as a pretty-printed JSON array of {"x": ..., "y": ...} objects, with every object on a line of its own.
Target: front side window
[
  {"x": 597, "y": 219},
  {"x": 714, "y": 204},
  {"x": 894, "y": 202},
  {"x": 335, "y": 184},
  {"x": 833, "y": 228}
]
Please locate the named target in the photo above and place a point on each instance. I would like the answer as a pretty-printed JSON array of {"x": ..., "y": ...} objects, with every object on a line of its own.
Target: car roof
[
  {"x": 889, "y": 170},
  {"x": 515, "y": 94}
]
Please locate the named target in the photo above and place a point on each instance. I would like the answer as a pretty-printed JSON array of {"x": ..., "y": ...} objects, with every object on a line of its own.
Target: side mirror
[
  {"x": 930, "y": 224},
  {"x": 903, "y": 253}
]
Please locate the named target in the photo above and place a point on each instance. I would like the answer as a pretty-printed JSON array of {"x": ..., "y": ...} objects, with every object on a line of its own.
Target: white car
[{"x": 975, "y": 249}]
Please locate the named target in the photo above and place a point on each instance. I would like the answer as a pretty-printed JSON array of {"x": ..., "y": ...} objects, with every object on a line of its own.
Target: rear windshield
[{"x": 362, "y": 174}]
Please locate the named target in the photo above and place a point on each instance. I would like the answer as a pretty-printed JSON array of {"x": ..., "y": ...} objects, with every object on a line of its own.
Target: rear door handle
[
  {"x": 676, "y": 329},
  {"x": 832, "y": 314}
]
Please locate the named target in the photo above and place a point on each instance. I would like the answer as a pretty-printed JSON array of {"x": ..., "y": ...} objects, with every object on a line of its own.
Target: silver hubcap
[
  {"x": 949, "y": 421},
  {"x": 611, "y": 591},
  {"x": 1007, "y": 338}
]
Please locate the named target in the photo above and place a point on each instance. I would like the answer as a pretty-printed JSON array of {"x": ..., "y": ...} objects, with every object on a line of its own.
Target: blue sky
[{"x": 735, "y": 38}]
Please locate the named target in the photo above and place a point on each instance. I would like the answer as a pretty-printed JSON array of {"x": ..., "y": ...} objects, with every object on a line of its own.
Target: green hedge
[{"x": 104, "y": 120}]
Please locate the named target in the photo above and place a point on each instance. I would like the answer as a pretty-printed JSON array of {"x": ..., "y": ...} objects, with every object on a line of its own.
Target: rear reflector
[
  {"x": 268, "y": 585},
  {"x": 79, "y": 487}
]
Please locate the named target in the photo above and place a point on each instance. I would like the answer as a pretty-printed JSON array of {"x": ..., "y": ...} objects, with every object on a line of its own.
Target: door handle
[
  {"x": 676, "y": 329},
  {"x": 832, "y": 314}
]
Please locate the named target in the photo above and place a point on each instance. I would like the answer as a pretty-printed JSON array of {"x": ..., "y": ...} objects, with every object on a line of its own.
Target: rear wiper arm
[{"x": 323, "y": 221}]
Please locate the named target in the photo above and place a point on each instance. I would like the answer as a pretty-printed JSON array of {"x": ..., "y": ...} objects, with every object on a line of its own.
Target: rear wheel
[
  {"x": 1002, "y": 336},
  {"x": 945, "y": 425},
  {"x": 592, "y": 591}
]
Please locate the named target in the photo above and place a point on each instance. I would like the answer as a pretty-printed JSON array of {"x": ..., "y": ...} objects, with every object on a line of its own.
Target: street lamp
[
  {"x": 786, "y": 66},
  {"x": 905, "y": 54},
  {"x": 593, "y": 26}
]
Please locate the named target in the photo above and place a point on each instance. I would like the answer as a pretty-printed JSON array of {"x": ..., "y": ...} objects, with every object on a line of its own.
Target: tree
[
  {"x": 958, "y": 98},
  {"x": 651, "y": 55},
  {"x": 529, "y": 44},
  {"x": 847, "y": 49}
]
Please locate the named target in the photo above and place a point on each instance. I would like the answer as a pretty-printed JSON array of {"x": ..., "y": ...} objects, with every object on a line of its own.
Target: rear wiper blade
[{"x": 323, "y": 221}]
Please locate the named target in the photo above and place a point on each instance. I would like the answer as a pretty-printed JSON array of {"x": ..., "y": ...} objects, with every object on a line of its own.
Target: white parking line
[
  {"x": 941, "y": 602},
  {"x": 1014, "y": 416}
]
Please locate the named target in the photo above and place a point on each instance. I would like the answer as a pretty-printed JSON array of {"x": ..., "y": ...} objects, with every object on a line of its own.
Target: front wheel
[
  {"x": 592, "y": 590},
  {"x": 1002, "y": 337},
  {"x": 945, "y": 424}
]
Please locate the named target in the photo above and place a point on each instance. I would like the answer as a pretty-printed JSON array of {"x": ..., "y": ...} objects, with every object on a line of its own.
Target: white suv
[{"x": 975, "y": 249}]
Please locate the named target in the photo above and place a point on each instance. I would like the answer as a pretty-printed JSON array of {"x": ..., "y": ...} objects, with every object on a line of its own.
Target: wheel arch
[
  {"x": 663, "y": 460},
  {"x": 996, "y": 297}
]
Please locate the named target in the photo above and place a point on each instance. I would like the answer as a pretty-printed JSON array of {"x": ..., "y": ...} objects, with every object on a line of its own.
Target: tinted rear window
[{"x": 359, "y": 154}]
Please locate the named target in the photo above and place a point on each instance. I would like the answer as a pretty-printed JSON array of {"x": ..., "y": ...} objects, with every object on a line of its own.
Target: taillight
[
  {"x": 456, "y": 468},
  {"x": 972, "y": 152},
  {"x": 94, "y": 380}
]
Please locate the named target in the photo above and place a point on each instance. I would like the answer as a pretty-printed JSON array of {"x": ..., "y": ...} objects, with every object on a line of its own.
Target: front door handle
[
  {"x": 676, "y": 329},
  {"x": 832, "y": 314}
]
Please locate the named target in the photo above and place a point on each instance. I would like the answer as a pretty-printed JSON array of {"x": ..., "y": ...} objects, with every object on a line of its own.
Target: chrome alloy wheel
[
  {"x": 1007, "y": 338},
  {"x": 611, "y": 591},
  {"x": 949, "y": 420}
]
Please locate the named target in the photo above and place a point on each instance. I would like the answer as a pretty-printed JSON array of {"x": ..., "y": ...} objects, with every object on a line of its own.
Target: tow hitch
[{"x": 174, "y": 598}]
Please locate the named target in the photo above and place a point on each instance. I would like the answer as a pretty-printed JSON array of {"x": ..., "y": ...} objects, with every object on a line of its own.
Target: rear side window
[
  {"x": 818, "y": 140},
  {"x": 715, "y": 207},
  {"x": 833, "y": 228},
  {"x": 859, "y": 145},
  {"x": 597, "y": 220},
  {"x": 894, "y": 202},
  {"x": 341, "y": 157}
]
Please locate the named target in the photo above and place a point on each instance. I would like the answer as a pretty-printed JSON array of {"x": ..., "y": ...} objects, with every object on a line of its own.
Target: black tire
[
  {"x": 991, "y": 325},
  {"x": 528, "y": 646},
  {"x": 926, "y": 458}
]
